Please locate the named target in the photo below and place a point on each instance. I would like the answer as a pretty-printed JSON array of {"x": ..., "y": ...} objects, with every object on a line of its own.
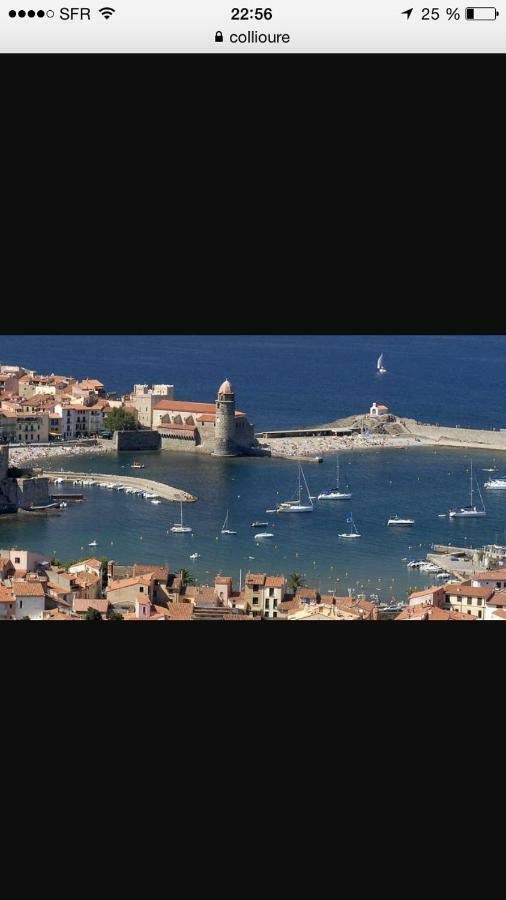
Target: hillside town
[{"x": 34, "y": 588}]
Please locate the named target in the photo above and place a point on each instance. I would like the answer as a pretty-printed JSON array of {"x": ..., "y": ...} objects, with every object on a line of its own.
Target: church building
[{"x": 216, "y": 428}]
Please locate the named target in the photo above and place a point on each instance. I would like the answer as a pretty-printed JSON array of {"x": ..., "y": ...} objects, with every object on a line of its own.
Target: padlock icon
[{"x": 218, "y": 38}]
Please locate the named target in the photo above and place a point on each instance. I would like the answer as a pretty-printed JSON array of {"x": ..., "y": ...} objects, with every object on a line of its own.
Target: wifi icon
[{"x": 107, "y": 12}]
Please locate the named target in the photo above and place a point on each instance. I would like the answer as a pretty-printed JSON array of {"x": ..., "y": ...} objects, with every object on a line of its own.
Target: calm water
[{"x": 283, "y": 381}]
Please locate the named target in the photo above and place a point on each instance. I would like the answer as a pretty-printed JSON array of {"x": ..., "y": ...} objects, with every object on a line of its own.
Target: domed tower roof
[{"x": 226, "y": 388}]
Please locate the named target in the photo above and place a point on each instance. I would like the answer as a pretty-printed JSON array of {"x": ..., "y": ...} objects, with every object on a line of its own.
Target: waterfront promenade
[{"x": 165, "y": 491}]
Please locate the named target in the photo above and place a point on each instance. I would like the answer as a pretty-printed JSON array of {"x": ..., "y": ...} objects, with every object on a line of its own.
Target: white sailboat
[
  {"x": 225, "y": 529},
  {"x": 472, "y": 510},
  {"x": 335, "y": 494},
  {"x": 396, "y": 520},
  {"x": 380, "y": 367},
  {"x": 353, "y": 532},
  {"x": 178, "y": 527},
  {"x": 297, "y": 506},
  {"x": 496, "y": 484}
]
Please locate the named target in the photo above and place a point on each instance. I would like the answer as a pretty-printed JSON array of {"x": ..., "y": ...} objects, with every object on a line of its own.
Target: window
[
  {"x": 469, "y": 601},
  {"x": 255, "y": 601},
  {"x": 17, "y": 559},
  {"x": 274, "y": 615},
  {"x": 21, "y": 604},
  {"x": 141, "y": 590},
  {"x": 275, "y": 604},
  {"x": 480, "y": 613},
  {"x": 479, "y": 601},
  {"x": 271, "y": 592}
]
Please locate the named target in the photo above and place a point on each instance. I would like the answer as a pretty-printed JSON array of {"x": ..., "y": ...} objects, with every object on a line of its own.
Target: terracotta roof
[
  {"x": 432, "y": 613},
  {"x": 491, "y": 575},
  {"x": 154, "y": 571},
  {"x": 85, "y": 578},
  {"x": 90, "y": 383},
  {"x": 61, "y": 617},
  {"x": 275, "y": 581},
  {"x": 463, "y": 590},
  {"x": 429, "y": 590},
  {"x": 27, "y": 589},
  {"x": 203, "y": 595},
  {"x": 186, "y": 406},
  {"x": 306, "y": 593},
  {"x": 128, "y": 582},
  {"x": 6, "y": 595},
  {"x": 255, "y": 579},
  {"x": 223, "y": 579},
  {"x": 90, "y": 562},
  {"x": 498, "y": 598},
  {"x": 211, "y": 417},
  {"x": 177, "y": 610},
  {"x": 500, "y": 613},
  {"x": 291, "y": 605},
  {"x": 82, "y": 606}
]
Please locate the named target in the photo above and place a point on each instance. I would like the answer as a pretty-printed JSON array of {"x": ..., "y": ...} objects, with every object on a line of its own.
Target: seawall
[
  {"x": 448, "y": 436},
  {"x": 166, "y": 491}
]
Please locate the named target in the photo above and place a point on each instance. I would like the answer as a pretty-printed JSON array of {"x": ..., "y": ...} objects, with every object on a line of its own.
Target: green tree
[
  {"x": 296, "y": 580},
  {"x": 25, "y": 619},
  {"x": 93, "y": 615},
  {"x": 187, "y": 577},
  {"x": 120, "y": 420},
  {"x": 115, "y": 616}
]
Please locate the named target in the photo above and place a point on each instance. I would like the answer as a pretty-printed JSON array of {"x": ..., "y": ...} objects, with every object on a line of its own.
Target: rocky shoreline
[{"x": 30, "y": 455}]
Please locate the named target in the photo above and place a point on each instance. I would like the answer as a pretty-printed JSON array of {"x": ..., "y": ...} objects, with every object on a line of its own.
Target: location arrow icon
[{"x": 407, "y": 12}]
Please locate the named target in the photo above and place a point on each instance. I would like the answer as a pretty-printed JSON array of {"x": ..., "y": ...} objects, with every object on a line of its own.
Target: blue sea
[{"x": 285, "y": 381}]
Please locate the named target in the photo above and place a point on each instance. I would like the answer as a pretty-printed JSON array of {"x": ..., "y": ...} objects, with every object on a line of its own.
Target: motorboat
[
  {"x": 335, "y": 494},
  {"x": 93, "y": 544},
  {"x": 496, "y": 484},
  {"x": 353, "y": 532},
  {"x": 137, "y": 465},
  {"x": 194, "y": 555},
  {"x": 259, "y": 524},
  {"x": 398, "y": 521},
  {"x": 225, "y": 529},
  {"x": 263, "y": 534},
  {"x": 472, "y": 510},
  {"x": 156, "y": 502},
  {"x": 297, "y": 506},
  {"x": 179, "y": 527}
]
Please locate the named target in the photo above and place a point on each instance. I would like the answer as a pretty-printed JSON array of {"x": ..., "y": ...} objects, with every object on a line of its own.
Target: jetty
[{"x": 165, "y": 491}]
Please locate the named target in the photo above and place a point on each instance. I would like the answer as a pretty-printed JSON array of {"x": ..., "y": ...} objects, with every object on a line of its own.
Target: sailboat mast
[
  {"x": 471, "y": 482},
  {"x": 337, "y": 470}
]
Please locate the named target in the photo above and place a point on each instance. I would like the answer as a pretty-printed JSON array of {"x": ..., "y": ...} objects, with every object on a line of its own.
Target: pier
[{"x": 165, "y": 491}]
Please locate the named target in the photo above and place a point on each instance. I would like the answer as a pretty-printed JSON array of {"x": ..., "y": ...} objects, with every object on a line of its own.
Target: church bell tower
[{"x": 224, "y": 429}]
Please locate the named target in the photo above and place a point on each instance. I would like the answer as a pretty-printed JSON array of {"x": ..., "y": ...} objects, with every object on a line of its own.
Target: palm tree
[
  {"x": 186, "y": 577},
  {"x": 296, "y": 580}
]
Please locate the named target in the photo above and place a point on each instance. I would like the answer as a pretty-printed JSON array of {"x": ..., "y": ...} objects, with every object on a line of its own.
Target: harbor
[{"x": 159, "y": 489}]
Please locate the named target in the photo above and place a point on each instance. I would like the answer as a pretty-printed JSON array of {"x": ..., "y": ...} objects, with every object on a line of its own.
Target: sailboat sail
[{"x": 380, "y": 361}]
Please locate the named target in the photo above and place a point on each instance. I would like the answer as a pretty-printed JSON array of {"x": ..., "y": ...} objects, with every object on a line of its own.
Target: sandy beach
[
  {"x": 30, "y": 455},
  {"x": 317, "y": 446}
]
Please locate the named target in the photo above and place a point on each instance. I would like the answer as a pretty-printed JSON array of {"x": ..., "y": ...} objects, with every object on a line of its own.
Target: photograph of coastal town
[{"x": 252, "y": 478}]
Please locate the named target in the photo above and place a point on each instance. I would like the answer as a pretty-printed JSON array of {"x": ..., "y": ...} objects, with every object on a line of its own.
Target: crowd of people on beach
[
  {"x": 30, "y": 454},
  {"x": 315, "y": 446}
]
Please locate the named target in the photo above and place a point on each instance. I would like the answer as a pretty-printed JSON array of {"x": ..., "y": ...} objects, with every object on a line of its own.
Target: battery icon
[{"x": 481, "y": 13}]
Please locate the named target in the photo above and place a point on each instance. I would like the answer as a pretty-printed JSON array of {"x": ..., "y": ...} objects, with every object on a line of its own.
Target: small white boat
[
  {"x": 137, "y": 465},
  {"x": 493, "y": 469},
  {"x": 398, "y": 521},
  {"x": 194, "y": 555},
  {"x": 271, "y": 510},
  {"x": 263, "y": 534},
  {"x": 472, "y": 510},
  {"x": 178, "y": 527},
  {"x": 156, "y": 502},
  {"x": 225, "y": 529},
  {"x": 496, "y": 484},
  {"x": 353, "y": 532},
  {"x": 92, "y": 544},
  {"x": 259, "y": 524},
  {"x": 63, "y": 505},
  {"x": 335, "y": 494},
  {"x": 297, "y": 506},
  {"x": 380, "y": 367}
]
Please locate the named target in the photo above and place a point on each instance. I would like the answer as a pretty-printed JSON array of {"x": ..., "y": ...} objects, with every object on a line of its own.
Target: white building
[
  {"x": 378, "y": 409},
  {"x": 30, "y": 599},
  {"x": 495, "y": 579}
]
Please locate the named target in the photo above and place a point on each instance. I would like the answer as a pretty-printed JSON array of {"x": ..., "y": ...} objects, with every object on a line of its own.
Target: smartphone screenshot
[{"x": 280, "y": 26}]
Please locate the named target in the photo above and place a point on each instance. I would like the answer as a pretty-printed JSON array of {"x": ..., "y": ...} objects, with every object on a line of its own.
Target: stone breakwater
[{"x": 165, "y": 491}]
